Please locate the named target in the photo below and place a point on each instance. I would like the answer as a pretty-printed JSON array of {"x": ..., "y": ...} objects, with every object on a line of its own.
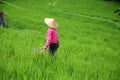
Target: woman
[{"x": 52, "y": 41}]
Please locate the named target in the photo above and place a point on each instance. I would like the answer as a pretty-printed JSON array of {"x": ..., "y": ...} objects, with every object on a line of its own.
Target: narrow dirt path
[{"x": 91, "y": 17}]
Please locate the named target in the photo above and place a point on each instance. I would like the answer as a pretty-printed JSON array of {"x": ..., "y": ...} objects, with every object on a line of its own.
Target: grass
[{"x": 89, "y": 48}]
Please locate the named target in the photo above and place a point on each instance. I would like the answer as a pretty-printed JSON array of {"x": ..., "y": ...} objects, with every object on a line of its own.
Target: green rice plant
[{"x": 89, "y": 47}]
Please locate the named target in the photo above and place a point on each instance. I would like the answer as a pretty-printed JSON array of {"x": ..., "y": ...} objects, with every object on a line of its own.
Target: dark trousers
[
  {"x": 53, "y": 48},
  {"x": 1, "y": 23}
]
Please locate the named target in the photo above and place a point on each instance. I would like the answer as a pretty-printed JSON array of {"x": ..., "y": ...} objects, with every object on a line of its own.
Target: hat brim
[{"x": 51, "y": 22}]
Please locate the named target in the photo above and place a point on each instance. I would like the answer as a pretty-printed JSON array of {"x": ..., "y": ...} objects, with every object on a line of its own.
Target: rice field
[{"x": 89, "y": 35}]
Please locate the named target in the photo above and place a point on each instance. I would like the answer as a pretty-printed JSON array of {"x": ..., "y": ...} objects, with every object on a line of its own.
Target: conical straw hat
[{"x": 51, "y": 22}]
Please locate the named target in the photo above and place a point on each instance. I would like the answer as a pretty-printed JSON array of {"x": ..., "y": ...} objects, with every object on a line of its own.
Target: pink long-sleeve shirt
[{"x": 51, "y": 36}]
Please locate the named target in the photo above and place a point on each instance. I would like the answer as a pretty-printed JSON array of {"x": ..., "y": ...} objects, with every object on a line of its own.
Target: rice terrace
[{"x": 89, "y": 40}]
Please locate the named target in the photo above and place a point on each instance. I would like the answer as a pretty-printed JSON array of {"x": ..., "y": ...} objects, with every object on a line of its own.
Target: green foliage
[
  {"x": 117, "y": 11},
  {"x": 89, "y": 48},
  {"x": 113, "y": 0}
]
